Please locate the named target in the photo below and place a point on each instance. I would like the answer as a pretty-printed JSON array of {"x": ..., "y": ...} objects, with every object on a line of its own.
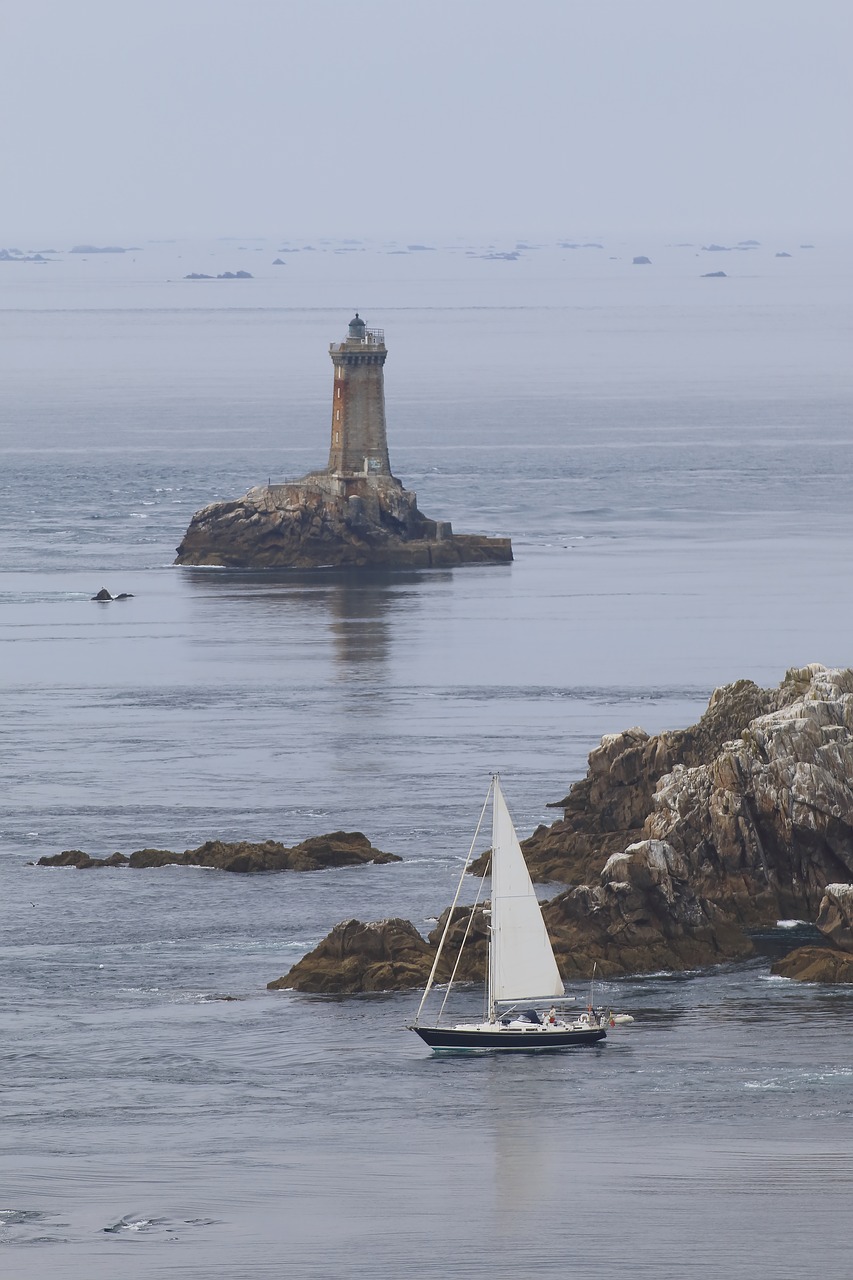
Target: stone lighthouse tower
[{"x": 359, "y": 445}]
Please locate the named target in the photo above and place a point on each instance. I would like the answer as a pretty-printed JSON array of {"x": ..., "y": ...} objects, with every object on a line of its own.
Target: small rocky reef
[
  {"x": 675, "y": 847},
  {"x": 318, "y": 853}
]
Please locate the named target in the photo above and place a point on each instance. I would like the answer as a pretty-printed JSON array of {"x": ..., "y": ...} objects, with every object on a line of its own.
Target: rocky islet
[{"x": 353, "y": 514}]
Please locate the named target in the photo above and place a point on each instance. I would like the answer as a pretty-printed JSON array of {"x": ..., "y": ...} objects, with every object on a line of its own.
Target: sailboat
[{"x": 521, "y": 970}]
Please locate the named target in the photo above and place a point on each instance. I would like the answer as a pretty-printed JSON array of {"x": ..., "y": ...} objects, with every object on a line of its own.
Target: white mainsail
[{"x": 522, "y": 959}]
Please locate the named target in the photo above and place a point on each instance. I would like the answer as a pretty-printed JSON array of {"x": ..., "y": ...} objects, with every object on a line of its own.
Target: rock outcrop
[
  {"x": 680, "y": 844},
  {"x": 758, "y": 797},
  {"x": 833, "y": 963},
  {"x": 105, "y": 595},
  {"x": 338, "y": 849},
  {"x": 815, "y": 964},
  {"x": 82, "y": 861},
  {"x": 835, "y": 917},
  {"x": 320, "y": 523},
  {"x": 355, "y": 957}
]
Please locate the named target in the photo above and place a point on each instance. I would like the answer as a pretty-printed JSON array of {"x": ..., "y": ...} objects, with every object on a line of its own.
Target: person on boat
[{"x": 552, "y": 1016}]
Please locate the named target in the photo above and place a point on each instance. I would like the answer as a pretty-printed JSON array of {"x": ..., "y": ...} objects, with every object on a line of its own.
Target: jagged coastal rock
[
  {"x": 679, "y": 844},
  {"x": 338, "y": 849},
  {"x": 353, "y": 514},
  {"x": 355, "y": 957},
  {"x": 815, "y": 964},
  {"x": 833, "y": 963}
]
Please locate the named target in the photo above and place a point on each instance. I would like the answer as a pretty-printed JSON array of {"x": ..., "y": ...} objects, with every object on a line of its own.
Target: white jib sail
[{"x": 522, "y": 961}]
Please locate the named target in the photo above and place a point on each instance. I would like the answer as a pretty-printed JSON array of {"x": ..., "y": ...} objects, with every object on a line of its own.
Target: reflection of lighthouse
[{"x": 359, "y": 444}]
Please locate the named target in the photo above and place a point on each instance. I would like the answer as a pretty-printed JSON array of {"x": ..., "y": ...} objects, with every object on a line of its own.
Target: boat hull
[{"x": 507, "y": 1041}]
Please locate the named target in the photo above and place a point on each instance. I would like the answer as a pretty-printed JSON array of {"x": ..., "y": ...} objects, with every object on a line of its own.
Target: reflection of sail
[
  {"x": 525, "y": 1163},
  {"x": 523, "y": 964}
]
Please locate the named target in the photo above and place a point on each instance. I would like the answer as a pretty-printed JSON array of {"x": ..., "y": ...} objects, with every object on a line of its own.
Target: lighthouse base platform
[{"x": 331, "y": 520}]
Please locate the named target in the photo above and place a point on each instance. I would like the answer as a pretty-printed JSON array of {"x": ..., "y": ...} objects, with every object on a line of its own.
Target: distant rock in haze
[
  {"x": 277, "y": 262},
  {"x": 714, "y": 275},
  {"x": 748, "y": 244},
  {"x": 225, "y": 275},
  {"x": 15, "y": 255},
  {"x": 783, "y": 255},
  {"x": 91, "y": 248},
  {"x": 802, "y": 246},
  {"x": 715, "y": 248},
  {"x": 641, "y": 261},
  {"x": 421, "y": 248},
  {"x": 512, "y": 256}
]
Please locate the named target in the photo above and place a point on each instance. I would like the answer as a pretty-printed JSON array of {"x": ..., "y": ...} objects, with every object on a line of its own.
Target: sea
[{"x": 672, "y": 455}]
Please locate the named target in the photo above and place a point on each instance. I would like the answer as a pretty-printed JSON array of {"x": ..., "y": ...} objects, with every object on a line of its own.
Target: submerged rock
[
  {"x": 338, "y": 849},
  {"x": 104, "y": 595}
]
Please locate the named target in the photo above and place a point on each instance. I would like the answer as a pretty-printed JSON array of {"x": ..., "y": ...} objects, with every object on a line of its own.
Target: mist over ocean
[{"x": 672, "y": 456}]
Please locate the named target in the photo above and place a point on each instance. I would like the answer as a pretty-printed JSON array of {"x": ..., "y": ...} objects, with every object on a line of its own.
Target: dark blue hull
[{"x": 506, "y": 1041}]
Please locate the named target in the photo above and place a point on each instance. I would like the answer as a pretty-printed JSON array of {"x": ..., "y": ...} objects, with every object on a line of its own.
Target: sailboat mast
[{"x": 493, "y": 940}]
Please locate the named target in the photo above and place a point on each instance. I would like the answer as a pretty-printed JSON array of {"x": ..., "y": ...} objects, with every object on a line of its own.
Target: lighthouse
[
  {"x": 352, "y": 514},
  {"x": 359, "y": 444}
]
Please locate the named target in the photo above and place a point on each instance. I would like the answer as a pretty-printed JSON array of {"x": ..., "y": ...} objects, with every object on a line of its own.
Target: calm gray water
[{"x": 673, "y": 458}]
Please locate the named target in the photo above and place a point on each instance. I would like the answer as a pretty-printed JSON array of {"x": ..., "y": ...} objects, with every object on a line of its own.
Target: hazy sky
[{"x": 533, "y": 117}]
